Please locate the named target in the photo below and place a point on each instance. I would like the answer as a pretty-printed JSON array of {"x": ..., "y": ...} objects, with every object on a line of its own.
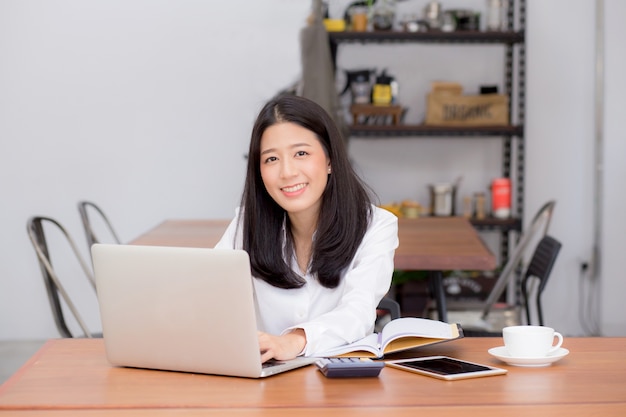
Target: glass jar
[
  {"x": 358, "y": 18},
  {"x": 384, "y": 14},
  {"x": 480, "y": 209},
  {"x": 433, "y": 15},
  {"x": 495, "y": 15}
]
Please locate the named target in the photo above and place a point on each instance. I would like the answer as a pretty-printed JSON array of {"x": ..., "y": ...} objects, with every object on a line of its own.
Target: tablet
[{"x": 444, "y": 367}]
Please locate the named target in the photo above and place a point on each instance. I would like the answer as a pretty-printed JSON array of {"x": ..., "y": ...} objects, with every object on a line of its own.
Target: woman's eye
[
  {"x": 270, "y": 159},
  {"x": 301, "y": 153}
]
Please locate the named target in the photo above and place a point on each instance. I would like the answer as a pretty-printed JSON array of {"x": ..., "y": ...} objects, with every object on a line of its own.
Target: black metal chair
[
  {"x": 84, "y": 208},
  {"x": 488, "y": 318},
  {"x": 57, "y": 293},
  {"x": 391, "y": 306},
  {"x": 538, "y": 227},
  {"x": 538, "y": 272},
  {"x": 388, "y": 309}
]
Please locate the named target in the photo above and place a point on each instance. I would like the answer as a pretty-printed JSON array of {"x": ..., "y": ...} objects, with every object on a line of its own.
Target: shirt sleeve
[
  {"x": 364, "y": 284},
  {"x": 230, "y": 238}
]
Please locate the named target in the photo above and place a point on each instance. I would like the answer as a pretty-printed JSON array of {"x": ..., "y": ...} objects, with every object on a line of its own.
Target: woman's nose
[{"x": 287, "y": 169}]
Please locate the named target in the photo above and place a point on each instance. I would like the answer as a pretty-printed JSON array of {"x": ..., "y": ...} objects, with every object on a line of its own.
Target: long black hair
[{"x": 345, "y": 209}]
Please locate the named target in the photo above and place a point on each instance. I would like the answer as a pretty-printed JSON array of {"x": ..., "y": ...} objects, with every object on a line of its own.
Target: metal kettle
[{"x": 359, "y": 83}]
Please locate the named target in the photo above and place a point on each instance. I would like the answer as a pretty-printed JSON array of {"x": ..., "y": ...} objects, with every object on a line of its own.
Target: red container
[{"x": 501, "y": 198}]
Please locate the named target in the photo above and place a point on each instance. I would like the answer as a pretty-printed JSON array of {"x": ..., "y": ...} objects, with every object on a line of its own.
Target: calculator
[{"x": 349, "y": 367}]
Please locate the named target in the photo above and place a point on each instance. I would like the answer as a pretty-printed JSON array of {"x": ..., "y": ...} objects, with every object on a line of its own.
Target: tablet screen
[{"x": 445, "y": 367}]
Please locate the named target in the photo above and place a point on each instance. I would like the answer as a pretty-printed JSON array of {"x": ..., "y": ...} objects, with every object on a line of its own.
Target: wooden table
[
  {"x": 72, "y": 377},
  {"x": 433, "y": 244}
]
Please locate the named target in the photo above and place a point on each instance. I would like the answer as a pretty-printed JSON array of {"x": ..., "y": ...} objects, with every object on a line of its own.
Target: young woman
[{"x": 321, "y": 253}]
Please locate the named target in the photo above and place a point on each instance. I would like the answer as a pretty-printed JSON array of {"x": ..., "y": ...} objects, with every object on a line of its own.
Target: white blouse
[{"x": 329, "y": 317}]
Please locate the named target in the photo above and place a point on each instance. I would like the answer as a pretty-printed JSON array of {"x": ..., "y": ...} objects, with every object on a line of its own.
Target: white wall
[
  {"x": 142, "y": 106},
  {"x": 613, "y": 262},
  {"x": 145, "y": 107},
  {"x": 560, "y": 128},
  {"x": 559, "y": 132}
]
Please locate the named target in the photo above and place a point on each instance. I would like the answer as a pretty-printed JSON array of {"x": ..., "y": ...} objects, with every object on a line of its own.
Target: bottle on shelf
[{"x": 495, "y": 15}]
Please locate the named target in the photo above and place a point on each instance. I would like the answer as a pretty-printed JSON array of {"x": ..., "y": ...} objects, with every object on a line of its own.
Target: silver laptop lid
[{"x": 180, "y": 309}]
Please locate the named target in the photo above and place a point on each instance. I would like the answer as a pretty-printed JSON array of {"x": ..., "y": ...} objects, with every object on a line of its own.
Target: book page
[
  {"x": 367, "y": 344},
  {"x": 412, "y": 327},
  {"x": 405, "y": 343}
]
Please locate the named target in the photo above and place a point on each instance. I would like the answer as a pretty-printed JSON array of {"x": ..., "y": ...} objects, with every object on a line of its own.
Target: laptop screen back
[{"x": 181, "y": 309}]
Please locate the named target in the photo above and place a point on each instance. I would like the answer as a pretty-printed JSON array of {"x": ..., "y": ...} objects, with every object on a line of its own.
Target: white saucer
[{"x": 502, "y": 354}]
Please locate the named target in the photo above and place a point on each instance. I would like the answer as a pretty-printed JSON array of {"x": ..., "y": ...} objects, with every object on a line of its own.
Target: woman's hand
[{"x": 283, "y": 347}]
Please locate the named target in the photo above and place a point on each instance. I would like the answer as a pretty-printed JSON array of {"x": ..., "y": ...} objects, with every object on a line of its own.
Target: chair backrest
[
  {"x": 55, "y": 289},
  {"x": 538, "y": 227},
  {"x": 391, "y": 306},
  {"x": 84, "y": 208},
  {"x": 540, "y": 267}
]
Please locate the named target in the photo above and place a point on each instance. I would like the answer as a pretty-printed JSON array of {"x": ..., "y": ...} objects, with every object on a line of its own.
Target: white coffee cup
[{"x": 531, "y": 341}]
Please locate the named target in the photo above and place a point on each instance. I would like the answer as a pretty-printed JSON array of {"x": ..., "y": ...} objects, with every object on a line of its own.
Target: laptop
[{"x": 180, "y": 309}]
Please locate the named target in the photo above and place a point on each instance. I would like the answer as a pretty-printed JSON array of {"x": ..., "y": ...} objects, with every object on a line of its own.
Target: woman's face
[{"x": 294, "y": 168}]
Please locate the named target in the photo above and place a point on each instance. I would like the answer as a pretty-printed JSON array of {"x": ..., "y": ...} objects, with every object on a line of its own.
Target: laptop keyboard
[{"x": 272, "y": 362}]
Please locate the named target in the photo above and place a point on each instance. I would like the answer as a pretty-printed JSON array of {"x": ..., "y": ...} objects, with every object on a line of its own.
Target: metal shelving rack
[{"x": 512, "y": 38}]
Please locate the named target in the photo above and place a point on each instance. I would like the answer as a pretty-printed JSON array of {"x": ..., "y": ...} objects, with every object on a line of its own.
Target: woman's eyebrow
[{"x": 295, "y": 145}]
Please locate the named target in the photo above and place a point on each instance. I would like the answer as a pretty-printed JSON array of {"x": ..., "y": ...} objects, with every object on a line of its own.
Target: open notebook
[{"x": 180, "y": 309}]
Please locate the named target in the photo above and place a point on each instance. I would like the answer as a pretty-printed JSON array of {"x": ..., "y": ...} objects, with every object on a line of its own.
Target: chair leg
[{"x": 526, "y": 302}]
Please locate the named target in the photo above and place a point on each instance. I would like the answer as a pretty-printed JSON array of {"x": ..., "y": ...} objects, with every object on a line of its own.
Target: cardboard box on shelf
[{"x": 446, "y": 109}]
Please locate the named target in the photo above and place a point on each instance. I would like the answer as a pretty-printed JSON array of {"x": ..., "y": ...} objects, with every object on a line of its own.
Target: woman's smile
[{"x": 294, "y": 189}]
